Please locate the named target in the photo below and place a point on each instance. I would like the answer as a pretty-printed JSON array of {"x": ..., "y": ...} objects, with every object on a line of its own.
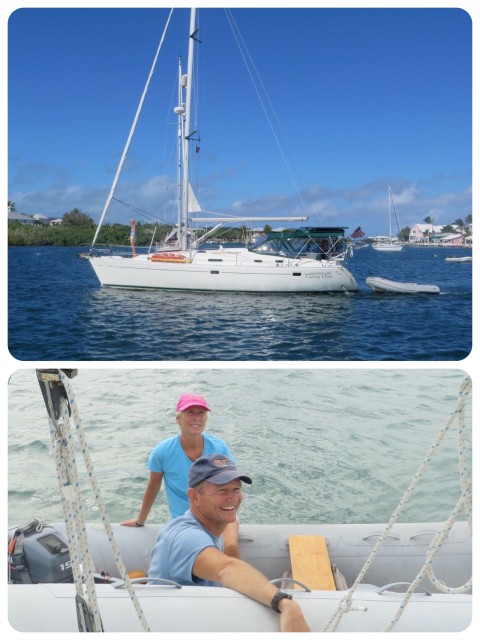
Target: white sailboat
[
  {"x": 309, "y": 259},
  {"x": 389, "y": 243}
]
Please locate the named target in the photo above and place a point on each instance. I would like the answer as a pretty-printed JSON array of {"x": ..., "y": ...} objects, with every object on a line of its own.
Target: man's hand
[
  {"x": 212, "y": 564},
  {"x": 291, "y": 616}
]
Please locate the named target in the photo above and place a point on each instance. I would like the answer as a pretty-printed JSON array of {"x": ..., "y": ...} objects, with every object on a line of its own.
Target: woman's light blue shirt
[{"x": 169, "y": 458}]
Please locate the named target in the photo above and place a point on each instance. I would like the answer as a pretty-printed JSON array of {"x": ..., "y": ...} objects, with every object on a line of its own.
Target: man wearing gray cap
[{"x": 189, "y": 549}]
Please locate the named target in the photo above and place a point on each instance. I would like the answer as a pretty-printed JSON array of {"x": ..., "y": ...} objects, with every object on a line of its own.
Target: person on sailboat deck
[
  {"x": 172, "y": 458},
  {"x": 189, "y": 549},
  {"x": 133, "y": 236},
  {"x": 324, "y": 247}
]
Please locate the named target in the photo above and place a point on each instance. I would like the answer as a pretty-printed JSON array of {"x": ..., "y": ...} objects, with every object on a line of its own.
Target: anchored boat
[
  {"x": 280, "y": 262},
  {"x": 389, "y": 243},
  {"x": 300, "y": 261}
]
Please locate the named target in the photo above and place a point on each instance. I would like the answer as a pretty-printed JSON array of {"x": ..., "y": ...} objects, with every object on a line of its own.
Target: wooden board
[{"x": 311, "y": 563}]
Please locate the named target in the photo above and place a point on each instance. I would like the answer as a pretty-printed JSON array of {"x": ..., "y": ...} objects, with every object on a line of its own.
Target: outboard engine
[{"x": 39, "y": 553}]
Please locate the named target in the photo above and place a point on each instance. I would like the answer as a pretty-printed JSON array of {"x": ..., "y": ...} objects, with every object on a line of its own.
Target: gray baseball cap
[{"x": 215, "y": 468}]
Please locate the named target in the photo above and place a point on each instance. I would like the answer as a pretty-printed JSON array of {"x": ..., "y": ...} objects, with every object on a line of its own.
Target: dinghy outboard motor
[{"x": 38, "y": 553}]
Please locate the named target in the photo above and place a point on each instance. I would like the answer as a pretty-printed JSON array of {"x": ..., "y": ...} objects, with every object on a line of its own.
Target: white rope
[
  {"x": 463, "y": 504},
  {"x": 82, "y": 565},
  {"x": 433, "y": 549},
  {"x": 98, "y": 498}
]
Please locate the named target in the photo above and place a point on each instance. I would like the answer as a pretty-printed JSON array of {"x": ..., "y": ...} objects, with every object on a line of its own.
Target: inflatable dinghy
[
  {"x": 42, "y": 596},
  {"x": 346, "y": 577},
  {"x": 459, "y": 259},
  {"x": 382, "y": 285}
]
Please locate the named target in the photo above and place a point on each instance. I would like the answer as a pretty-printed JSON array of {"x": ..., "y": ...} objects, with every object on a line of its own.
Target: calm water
[
  {"x": 336, "y": 445},
  {"x": 58, "y": 311}
]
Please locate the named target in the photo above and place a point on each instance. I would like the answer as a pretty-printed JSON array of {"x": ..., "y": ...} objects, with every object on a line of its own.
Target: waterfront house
[
  {"x": 16, "y": 216},
  {"x": 422, "y": 232}
]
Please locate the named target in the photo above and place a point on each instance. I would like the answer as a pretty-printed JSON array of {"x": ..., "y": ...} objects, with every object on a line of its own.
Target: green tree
[
  {"x": 11, "y": 206},
  {"x": 77, "y": 218}
]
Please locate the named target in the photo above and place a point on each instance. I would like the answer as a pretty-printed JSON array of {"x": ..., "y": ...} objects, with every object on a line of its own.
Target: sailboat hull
[
  {"x": 221, "y": 270},
  {"x": 387, "y": 247}
]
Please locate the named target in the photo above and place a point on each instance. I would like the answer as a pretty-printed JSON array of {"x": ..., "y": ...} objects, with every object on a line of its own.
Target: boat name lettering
[{"x": 318, "y": 274}]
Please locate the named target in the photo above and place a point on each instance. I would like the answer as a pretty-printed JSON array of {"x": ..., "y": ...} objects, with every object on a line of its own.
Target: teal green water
[{"x": 322, "y": 445}]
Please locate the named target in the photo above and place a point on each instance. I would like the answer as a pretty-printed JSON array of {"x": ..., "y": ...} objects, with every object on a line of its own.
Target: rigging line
[
  {"x": 458, "y": 413},
  {"x": 74, "y": 515},
  {"x": 132, "y": 131},
  {"x": 149, "y": 216},
  {"x": 257, "y": 82},
  {"x": 395, "y": 214},
  {"x": 79, "y": 432}
]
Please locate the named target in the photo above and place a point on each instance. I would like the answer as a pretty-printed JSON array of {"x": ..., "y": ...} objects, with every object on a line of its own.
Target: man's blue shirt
[{"x": 178, "y": 544}]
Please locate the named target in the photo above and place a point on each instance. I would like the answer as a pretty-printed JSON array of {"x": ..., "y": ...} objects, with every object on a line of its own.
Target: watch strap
[{"x": 280, "y": 595}]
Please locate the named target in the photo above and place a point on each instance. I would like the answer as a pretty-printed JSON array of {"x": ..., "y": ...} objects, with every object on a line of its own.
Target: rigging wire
[
  {"x": 145, "y": 214},
  {"x": 132, "y": 131},
  {"x": 269, "y": 111}
]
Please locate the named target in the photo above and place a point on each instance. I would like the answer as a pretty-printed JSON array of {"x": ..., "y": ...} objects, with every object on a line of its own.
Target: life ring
[{"x": 169, "y": 257}]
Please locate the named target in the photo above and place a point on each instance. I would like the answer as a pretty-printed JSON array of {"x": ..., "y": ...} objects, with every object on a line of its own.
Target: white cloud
[{"x": 364, "y": 204}]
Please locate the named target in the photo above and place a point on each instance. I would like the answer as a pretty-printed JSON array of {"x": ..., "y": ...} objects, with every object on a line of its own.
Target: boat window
[{"x": 322, "y": 243}]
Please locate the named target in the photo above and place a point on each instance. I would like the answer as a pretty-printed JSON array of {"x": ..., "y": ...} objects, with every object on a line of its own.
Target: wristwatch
[{"x": 280, "y": 595}]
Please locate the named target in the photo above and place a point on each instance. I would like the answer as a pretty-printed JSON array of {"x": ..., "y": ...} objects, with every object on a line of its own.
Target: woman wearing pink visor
[{"x": 172, "y": 458}]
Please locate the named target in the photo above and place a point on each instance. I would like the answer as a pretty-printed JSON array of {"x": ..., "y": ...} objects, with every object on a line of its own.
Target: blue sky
[{"x": 364, "y": 98}]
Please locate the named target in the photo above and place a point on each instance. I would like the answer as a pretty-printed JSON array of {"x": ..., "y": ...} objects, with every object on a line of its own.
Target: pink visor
[{"x": 191, "y": 400}]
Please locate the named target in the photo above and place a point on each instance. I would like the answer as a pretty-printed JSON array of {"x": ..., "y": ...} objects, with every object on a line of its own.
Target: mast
[
  {"x": 184, "y": 225},
  {"x": 180, "y": 112},
  {"x": 389, "y": 212},
  {"x": 390, "y": 200}
]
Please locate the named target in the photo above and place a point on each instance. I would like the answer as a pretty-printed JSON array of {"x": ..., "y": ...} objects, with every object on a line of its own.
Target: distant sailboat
[{"x": 389, "y": 243}]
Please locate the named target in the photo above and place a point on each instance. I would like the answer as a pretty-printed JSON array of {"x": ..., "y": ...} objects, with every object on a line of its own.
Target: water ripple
[{"x": 57, "y": 311}]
